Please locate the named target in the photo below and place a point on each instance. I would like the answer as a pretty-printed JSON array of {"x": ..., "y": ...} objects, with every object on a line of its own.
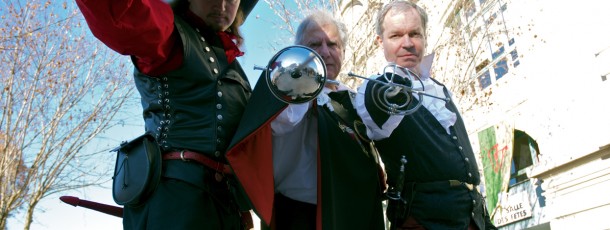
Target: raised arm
[{"x": 140, "y": 28}]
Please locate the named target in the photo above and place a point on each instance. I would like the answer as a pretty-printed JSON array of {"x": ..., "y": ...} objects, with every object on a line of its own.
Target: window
[
  {"x": 482, "y": 26},
  {"x": 455, "y": 21},
  {"x": 498, "y": 52},
  {"x": 516, "y": 63},
  {"x": 482, "y": 65},
  {"x": 501, "y": 68},
  {"x": 498, "y": 67},
  {"x": 514, "y": 55},
  {"x": 503, "y": 7},
  {"x": 525, "y": 154},
  {"x": 485, "y": 79}
]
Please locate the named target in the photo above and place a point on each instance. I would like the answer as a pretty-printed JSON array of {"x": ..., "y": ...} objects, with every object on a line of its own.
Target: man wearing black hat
[{"x": 193, "y": 93}]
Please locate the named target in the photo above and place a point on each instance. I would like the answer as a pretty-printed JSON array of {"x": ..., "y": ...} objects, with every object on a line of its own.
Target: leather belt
[
  {"x": 437, "y": 185},
  {"x": 199, "y": 158}
]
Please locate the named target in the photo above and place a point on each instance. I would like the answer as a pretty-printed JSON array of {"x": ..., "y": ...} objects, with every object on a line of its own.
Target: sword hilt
[{"x": 397, "y": 193}]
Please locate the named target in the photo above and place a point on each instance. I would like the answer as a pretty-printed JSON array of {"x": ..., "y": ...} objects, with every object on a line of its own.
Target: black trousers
[
  {"x": 290, "y": 214},
  {"x": 176, "y": 204}
]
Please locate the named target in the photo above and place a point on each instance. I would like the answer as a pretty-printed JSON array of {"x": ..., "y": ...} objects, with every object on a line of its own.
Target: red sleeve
[{"x": 141, "y": 28}]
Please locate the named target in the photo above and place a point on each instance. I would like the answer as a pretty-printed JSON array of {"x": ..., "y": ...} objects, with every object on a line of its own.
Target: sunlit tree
[{"x": 60, "y": 89}]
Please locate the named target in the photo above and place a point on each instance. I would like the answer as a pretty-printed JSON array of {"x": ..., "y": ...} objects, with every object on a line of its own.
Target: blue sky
[
  {"x": 259, "y": 34},
  {"x": 262, "y": 40}
]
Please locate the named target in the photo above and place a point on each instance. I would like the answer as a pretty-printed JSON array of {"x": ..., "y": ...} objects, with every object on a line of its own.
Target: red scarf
[{"x": 231, "y": 49}]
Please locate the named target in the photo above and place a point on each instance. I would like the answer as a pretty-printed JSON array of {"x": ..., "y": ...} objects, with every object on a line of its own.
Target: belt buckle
[
  {"x": 218, "y": 177},
  {"x": 182, "y": 156},
  {"x": 469, "y": 186},
  {"x": 454, "y": 183}
]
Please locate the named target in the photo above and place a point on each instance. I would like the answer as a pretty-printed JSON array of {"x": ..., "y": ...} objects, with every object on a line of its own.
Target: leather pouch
[{"x": 137, "y": 171}]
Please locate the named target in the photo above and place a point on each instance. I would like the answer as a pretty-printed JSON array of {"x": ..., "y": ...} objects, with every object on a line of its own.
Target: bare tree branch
[{"x": 62, "y": 90}]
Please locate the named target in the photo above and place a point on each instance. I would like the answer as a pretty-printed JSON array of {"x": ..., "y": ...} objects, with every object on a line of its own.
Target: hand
[
  {"x": 394, "y": 94},
  {"x": 394, "y": 90}
]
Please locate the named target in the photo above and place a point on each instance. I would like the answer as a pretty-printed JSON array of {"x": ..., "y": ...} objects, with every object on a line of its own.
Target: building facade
[{"x": 531, "y": 78}]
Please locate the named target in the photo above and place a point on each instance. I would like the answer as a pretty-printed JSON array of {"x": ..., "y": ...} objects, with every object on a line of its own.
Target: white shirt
[{"x": 295, "y": 148}]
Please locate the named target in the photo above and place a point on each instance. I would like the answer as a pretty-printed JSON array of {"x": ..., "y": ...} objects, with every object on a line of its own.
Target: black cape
[{"x": 349, "y": 194}]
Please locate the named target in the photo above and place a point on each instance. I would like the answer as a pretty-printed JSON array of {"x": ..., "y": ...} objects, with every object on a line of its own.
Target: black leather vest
[
  {"x": 432, "y": 153},
  {"x": 198, "y": 106}
]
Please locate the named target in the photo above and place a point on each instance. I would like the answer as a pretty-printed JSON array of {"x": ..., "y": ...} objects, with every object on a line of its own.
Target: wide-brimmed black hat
[{"x": 245, "y": 5}]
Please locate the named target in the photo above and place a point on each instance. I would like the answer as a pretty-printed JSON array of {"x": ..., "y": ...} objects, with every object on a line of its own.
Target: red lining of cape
[{"x": 252, "y": 162}]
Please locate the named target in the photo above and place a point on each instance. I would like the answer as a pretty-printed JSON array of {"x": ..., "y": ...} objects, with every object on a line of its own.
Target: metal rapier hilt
[
  {"x": 396, "y": 192},
  {"x": 413, "y": 94},
  {"x": 397, "y": 204},
  {"x": 296, "y": 74}
]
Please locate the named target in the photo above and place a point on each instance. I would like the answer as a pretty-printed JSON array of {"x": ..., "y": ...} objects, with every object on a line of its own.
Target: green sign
[{"x": 496, "y": 144}]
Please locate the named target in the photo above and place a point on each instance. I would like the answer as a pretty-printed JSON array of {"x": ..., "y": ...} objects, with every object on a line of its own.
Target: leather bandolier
[{"x": 349, "y": 174}]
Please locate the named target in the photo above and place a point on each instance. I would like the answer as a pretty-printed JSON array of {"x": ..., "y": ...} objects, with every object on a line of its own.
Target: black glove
[
  {"x": 377, "y": 93},
  {"x": 394, "y": 94}
]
